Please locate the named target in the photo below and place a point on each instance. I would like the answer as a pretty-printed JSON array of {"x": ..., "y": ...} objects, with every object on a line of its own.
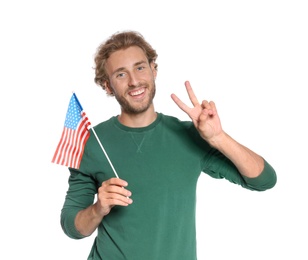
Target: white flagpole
[
  {"x": 98, "y": 141},
  {"x": 104, "y": 152}
]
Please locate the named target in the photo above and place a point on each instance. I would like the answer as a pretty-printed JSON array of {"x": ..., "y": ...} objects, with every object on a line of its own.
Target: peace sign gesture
[{"x": 204, "y": 116}]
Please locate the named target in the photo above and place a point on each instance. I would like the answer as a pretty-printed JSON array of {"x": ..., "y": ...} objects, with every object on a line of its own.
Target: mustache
[{"x": 139, "y": 85}]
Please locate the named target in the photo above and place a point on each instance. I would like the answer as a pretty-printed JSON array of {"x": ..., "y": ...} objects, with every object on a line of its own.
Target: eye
[
  {"x": 140, "y": 68},
  {"x": 120, "y": 75}
]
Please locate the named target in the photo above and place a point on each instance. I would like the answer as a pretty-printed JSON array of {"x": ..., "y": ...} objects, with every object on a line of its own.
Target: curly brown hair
[{"x": 119, "y": 41}]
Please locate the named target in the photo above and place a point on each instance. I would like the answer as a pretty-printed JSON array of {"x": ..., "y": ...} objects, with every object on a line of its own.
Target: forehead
[{"x": 125, "y": 58}]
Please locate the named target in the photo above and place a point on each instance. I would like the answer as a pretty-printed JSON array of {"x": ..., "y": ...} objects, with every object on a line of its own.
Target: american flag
[{"x": 74, "y": 136}]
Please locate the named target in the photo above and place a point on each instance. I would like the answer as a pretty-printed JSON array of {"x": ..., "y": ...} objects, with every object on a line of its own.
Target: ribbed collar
[{"x": 137, "y": 129}]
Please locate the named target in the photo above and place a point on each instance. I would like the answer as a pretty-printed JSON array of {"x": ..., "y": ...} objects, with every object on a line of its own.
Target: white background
[{"x": 250, "y": 57}]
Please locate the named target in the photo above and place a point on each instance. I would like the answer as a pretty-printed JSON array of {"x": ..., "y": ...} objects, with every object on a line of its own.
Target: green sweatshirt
[{"x": 161, "y": 163}]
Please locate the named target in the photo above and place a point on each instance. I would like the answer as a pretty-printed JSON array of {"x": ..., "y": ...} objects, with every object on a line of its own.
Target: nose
[{"x": 132, "y": 80}]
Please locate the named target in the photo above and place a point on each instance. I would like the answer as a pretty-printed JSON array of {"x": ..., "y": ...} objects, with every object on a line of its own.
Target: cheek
[{"x": 116, "y": 88}]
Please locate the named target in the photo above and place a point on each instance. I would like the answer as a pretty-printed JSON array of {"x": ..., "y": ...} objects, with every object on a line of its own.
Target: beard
[{"x": 140, "y": 108}]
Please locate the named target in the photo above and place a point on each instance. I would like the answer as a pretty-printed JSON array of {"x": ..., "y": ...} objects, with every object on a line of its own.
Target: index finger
[
  {"x": 117, "y": 181},
  {"x": 180, "y": 104}
]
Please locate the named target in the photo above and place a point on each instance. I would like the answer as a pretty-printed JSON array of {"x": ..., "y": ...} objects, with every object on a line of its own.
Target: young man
[{"x": 149, "y": 211}]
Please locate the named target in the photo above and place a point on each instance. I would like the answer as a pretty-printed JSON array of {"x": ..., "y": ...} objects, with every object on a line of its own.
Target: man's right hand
[{"x": 111, "y": 193}]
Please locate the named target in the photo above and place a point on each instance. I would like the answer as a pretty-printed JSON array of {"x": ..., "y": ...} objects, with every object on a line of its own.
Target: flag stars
[{"x": 73, "y": 115}]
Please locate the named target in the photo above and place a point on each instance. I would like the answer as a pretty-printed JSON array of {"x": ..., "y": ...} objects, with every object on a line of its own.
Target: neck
[{"x": 138, "y": 120}]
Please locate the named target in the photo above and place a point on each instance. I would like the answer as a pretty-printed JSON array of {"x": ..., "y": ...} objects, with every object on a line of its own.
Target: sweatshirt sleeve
[
  {"x": 266, "y": 180},
  {"x": 80, "y": 195},
  {"x": 218, "y": 166}
]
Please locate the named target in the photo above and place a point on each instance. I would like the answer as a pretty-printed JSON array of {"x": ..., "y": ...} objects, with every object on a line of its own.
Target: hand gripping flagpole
[{"x": 99, "y": 142}]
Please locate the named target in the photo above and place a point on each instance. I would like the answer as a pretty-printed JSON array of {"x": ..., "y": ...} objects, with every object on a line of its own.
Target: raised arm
[{"x": 205, "y": 117}]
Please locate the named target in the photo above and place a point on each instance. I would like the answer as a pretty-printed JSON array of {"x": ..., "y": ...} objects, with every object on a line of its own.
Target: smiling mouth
[{"x": 137, "y": 92}]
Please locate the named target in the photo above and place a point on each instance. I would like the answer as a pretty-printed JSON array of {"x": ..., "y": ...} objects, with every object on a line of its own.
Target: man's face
[{"x": 132, "y": 79}]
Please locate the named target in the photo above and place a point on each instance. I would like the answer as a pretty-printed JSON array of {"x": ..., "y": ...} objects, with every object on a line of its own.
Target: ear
[
  {"x": 153, "y": 69},
  {"x": 108, "y": 88}
]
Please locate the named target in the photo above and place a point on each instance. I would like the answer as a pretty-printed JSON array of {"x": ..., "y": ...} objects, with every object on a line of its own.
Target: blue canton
[{"x": 73, "y": 115}]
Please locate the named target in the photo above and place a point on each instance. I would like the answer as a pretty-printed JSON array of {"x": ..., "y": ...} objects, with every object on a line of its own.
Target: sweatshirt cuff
[
  {"x": 68, "y": 223},
  {"x": 266, "y": 180}
]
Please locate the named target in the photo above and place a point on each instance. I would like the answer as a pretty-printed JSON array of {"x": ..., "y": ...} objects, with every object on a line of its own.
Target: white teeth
[{"x": 137, "y": 92}]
